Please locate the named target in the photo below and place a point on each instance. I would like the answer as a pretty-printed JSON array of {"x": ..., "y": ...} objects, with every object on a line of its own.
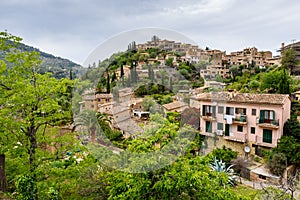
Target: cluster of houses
[
  {"x": 245, "y": 122},
  {"x": 219, "y": 61},
  {"x": 240, "y": 119}
]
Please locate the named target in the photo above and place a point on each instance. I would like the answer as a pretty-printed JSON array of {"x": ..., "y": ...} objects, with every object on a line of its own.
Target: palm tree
[
  {"x": 89, "y": 119},
  {"x": 220, "y": 166},
  {"x": 103, "y": 118}
]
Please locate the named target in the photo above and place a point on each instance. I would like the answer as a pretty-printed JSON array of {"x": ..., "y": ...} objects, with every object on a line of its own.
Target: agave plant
[{"x": 220, "y": 166}]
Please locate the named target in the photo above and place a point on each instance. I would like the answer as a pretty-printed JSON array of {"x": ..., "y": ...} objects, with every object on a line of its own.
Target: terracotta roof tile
[
  {"x": 243, "y": 97},
  {"x": 173, "y": 105}
]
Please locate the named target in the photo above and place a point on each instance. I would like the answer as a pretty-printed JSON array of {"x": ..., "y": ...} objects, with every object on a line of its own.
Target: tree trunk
[
  {"x": 32, "y": 160},
  {"x": 2, "y": 173},
  {"x": 93, "y": 134}
]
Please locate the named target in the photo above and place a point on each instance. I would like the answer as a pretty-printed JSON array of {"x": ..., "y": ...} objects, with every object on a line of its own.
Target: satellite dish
[{"x": 247, "y": 149}]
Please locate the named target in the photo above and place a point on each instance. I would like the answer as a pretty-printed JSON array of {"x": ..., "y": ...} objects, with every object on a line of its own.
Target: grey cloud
[{"x": 73, "y": 28}]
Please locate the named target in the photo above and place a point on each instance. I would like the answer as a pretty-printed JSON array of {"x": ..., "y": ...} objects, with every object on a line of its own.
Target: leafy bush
[
  {"x": 225, "y": 154},
  {"x": 277, "y": 163},
  {"x": 26, "y": 187}
]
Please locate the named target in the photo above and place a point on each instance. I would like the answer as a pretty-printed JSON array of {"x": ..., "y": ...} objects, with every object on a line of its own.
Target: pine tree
[
  {"x": 108, "y": 84},
  {"x": 122, "y": 71},
  {"x": 171, "y": 85}
]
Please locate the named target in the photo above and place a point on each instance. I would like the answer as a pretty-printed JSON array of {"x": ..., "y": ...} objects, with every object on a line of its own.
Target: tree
[
  {"x": 234, "y": 71},
  {"x": 171, "y": 84},
  {"x": 289, "y": 60},
  {"x": 276, "y": 82},
  {"x": 289, "y": 143},
  {"x": 2, "y": 173},
  {"x": 29, "y": 101},
  {"x": 150, "y": 74},
  {"x": 169, "y": 62},
  {"x": 224, "y": 154},
  {"x": 277, "y": 164},
  {"x": 108, "y": 84},
  {"x": 89, "y": 119}
]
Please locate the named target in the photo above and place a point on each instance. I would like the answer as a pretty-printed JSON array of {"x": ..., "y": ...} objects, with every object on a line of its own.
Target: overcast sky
[{"x": 73, "y": 29}]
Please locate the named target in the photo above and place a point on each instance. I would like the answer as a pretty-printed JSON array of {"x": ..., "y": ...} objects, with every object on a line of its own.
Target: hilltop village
[{"x": 241, "y": 100}]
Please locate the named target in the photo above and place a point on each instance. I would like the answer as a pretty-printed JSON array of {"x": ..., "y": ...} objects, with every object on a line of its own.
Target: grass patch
[{"x": 246, "y": 192}]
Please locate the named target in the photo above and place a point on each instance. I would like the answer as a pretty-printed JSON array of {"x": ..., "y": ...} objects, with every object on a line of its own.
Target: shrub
[{"x": 277, "y": 163}]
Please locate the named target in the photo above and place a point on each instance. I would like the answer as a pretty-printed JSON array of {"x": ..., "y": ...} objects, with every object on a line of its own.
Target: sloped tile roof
[
  {"x": 277, "y": 99},
  {"x": 173, "y": 105}
]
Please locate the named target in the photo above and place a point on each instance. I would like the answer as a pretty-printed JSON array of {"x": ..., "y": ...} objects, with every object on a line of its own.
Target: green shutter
[
  {"x": 262, "y": 116},
  {"x": 208, "y": 127},
  {"x": 267, "y": 136},
  {"x": 226, "y": 129}
]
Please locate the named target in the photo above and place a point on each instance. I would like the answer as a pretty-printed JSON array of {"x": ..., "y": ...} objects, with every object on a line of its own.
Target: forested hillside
[{"x": 60, "y": 67}]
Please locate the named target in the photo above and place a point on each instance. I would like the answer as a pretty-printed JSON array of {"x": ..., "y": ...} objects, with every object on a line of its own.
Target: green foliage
[
  {"x": 148, "y": 104},
  {"x": 29, "y": 102},
  {"x": 150, "y": 89},
  {"x": 220, "y": 167},
  {"x": 53, "y": 194},
  {"x": 272, "y": 81},
  {"x": 277, "y": 163},
  {"x": 289, "y": 144},
  {"x": 169, "y": 62},
  {"x": 273, "y": 193},
  {"x": 234, "y": 71},
  {"x": 184, "y": 179},
  {"x": 289, "y": 60},
  {"x": 225, "y": 154},
  {"x": 26, "y": 187}
]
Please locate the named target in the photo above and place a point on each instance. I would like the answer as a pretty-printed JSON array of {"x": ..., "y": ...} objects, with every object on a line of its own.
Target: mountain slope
[{"x": 60, "y": 67}]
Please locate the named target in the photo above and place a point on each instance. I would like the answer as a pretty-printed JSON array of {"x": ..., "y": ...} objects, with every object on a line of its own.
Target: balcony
[
  {"x": 268, "y": 123},
  {"x": 203, "y": 132},
  {"x": 240, "y": 119},
  {"x": 237, "y": 137},
  {"x": 209, "y": 117}
]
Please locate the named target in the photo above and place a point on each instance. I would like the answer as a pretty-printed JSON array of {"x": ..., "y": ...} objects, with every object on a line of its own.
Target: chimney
[
  {"x": 231, "y": 93},
  {"x": 282, "y": 45}
]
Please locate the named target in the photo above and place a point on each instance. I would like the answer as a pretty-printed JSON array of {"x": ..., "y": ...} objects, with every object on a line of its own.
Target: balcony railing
[
  {"x": 209, "y": 116},
  {"x": 238, "y": 137},
  {"x": 268, "y": 123},
  {"x": 240, "y": 119}
]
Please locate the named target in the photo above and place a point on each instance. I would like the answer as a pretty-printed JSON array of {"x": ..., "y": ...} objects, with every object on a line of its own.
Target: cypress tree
[{"x": 108, "y": 84}]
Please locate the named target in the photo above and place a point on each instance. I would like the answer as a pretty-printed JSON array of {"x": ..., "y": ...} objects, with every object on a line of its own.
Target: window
[
  {"x": 267, "y": 116},
  {"x": 252, "y": 130},
  {"x": 267, "y": 136},
  {"x": 229, "y": 111},
  {"x": 209, "y": 110},
  {"x": 240, "y": 111},
  {"x": 262, "y": 177},
  {"x": 254, "y": 112},
  {"x": 208, "y": 127},
  {"x": 220, "y": 109},
  {"x": 220, "y": 126},
  {"x": 240, "y": 128}
]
